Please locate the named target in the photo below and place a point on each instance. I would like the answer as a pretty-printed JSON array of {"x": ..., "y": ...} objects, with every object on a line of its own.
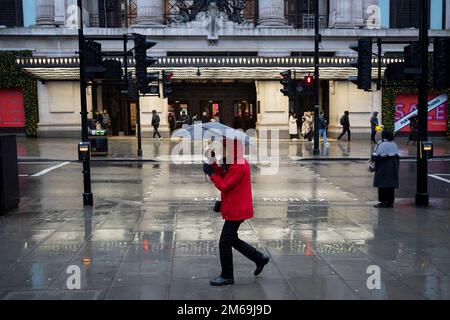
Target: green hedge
[{"x": 12, "y": 77}]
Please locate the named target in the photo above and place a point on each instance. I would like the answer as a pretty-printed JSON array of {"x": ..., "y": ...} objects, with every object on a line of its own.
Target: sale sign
[
  {"x": 406, "y": 108},
  {"x": 12, "y": 112}
]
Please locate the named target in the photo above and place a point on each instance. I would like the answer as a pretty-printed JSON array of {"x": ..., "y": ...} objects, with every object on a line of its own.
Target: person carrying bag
[
  {"x": 386, "y": 162},
  {"x": 232, "y": 178}
]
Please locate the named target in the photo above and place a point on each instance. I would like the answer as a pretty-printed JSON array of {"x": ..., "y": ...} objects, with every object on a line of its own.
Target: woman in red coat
[{"x": 233, "y": 180}]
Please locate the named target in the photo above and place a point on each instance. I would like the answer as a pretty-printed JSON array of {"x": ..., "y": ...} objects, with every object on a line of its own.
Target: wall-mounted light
[{"x": 198, "y": 72}]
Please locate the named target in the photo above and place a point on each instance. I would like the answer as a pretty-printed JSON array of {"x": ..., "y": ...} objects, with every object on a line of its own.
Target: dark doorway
[
  {"x": 305, "y": 103},
  {"x": 234, "y": 102},
  {"x": 120, "y": 111}
]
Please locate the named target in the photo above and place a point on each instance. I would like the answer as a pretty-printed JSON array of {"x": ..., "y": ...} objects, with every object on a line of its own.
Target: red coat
[{"x": 236, "y": 190}]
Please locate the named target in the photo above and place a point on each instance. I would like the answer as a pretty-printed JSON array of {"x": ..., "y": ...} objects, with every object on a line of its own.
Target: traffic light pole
[
  {"x": 422, "y": 196},
  {"x": 138, "y": 124},
  {"x": 87, "y": 195},
  {"x": 316, "y": 79}
]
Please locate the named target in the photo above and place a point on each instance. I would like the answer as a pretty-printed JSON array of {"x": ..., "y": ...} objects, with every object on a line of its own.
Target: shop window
[
  {"x": 11, "y": 14},
  {"x": 301, "y": 13}
]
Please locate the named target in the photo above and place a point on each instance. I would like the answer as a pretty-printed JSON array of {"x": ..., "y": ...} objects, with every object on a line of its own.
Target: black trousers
[
  {"x": 156, "y": 132},
  {"x": 386, "y": 195},
  {"x": 229, "y": 239},
  {"x": 372, "y": 136},
  {"x": 344, "y": 131}
]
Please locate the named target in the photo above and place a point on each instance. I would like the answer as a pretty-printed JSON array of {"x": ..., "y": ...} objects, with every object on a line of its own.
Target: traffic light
[
  {"x": 129, "y": 89},
  {"x": 93, "y": 59},
  {"x": 309, "y": 81},
  {"x": 441, "y": 54},
  {"x": 363, "y": 64},
  {"x": 286, "y": 81},
  {"x": 167, "y": 83},
  {"x": 142, "y": 62}
]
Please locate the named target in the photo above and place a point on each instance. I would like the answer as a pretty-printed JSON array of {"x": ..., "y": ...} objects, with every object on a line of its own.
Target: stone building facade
[{"x": 226, "y": 57}]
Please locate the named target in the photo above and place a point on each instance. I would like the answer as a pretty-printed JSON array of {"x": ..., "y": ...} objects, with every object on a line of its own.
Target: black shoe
[
  {"x": 380, "y": 205},
  {"x": 219, "y": 281},
  {"x": 260, "y": 266}
]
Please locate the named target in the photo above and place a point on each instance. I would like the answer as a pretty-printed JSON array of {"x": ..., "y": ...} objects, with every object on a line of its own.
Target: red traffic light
[
  {"x": 169, "y": 76},
  {"x": 309, "y": 80}
]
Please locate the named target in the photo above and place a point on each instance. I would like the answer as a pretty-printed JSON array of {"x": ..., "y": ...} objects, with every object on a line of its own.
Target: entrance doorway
[
  {"x": 305, "y": 103},
  {"x": 233, "y": 103},
  {"x": 121, "y": 111}
]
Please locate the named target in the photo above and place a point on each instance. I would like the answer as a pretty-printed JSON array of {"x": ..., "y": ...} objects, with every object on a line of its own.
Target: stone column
[
  {"x": 341, "y": 14},
  {"x": 150, "y": 12},
  {"x": 357, "y": 13},
  {"x": 45, "y": 12},
  {"x": 271, "y": 13}
]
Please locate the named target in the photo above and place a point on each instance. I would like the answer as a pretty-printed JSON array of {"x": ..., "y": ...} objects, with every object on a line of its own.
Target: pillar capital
[
  {"x": 271, "y": 13},
  {"x": 150, "y": 12}
]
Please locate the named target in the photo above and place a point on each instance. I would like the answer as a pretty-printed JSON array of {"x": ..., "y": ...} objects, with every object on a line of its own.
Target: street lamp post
[
  {"x": 317, "y": 40},
  {"x": 87, "y": 195},
  {"x": 422, "y": 197}
]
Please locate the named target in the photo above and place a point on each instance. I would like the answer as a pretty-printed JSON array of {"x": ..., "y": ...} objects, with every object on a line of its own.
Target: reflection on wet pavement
[{"x": 152, "y": 234}]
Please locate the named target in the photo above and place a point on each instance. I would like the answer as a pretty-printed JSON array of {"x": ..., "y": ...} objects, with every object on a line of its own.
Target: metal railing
[
  {"x": 306, "y": 21},
  {"x": 184, "y": 11}
]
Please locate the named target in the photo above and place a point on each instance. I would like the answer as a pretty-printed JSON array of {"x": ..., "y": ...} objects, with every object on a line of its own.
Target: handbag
[
  {"x": 217, "y": 206},
  {"x": 371, "y": 165}
]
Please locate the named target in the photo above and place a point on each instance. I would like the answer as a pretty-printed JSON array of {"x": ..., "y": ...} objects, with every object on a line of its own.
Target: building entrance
[{"x": 231, "y": 103}]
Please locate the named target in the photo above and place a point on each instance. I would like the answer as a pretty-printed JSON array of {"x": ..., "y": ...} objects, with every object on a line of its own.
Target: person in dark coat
[
  {"x": 345, "y": 123},
  {"x": 172, "y": 123},
  {"x": 387, "y": 164},
  {"x": 155, "y": 124},
  {"x": 413, "y": 126},
  {"x": 373, "y": 125},
  {"x": 233, "y": 180}
]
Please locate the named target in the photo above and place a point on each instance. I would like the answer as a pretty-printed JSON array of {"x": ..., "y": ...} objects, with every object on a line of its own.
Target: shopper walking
[
  {"x": 413, "y": 126},
  {"x": 373, "y": 126},
  {"x": 155, "y": 124},
  {"x": 293, "y": 126},
  {"x": 307, "y": 126},
  {"x": 345, "y": 123},
  {"x": 323, "y": 128},
  {"x": 233, "y": 180},
  {"x": 106, "y": 120},
  {"x": 387, "y": 162}
]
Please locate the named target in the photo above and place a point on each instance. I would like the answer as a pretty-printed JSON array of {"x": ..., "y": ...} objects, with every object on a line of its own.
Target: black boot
[{"x": 260, "y": 266}]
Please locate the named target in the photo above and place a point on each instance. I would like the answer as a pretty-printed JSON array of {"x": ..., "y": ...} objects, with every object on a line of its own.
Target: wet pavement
[{"x": 152, "y": 233}]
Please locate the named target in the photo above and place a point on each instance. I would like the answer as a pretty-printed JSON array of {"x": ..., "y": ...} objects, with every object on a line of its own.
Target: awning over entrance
[{"x": 221, "y": 68}]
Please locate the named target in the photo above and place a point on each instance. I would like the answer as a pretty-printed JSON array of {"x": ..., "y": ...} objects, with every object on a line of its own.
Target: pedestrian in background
[
  {"x": 106, "y": 120},
  {"x": 345, "y": 123},
  {"x": 232, "y": 178},
  {"x": 204, "y": 117},
  {"x": 184, "y": 118},
  {"x": 373, "y": 126},
  {"x": 155, "y": 124},
  {"x": 323, "y": 127},
  {"x": 307, "y": 126},
  {"x": 172, "y": 122},
  {"x": 293, "y": 126},
  {"x": 387, "y": 166},
  {"x": 413, "y": 126}
]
